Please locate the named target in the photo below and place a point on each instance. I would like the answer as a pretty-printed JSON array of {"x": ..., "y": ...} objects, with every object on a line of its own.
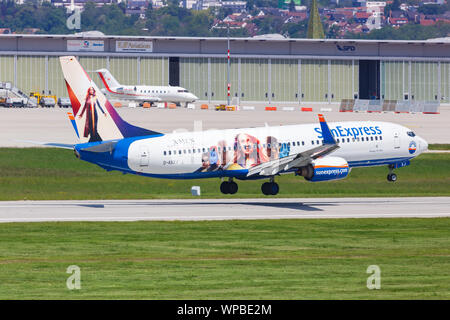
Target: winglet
[
  {"x": 72, "y": 120},
  {"x": 326, "y": 133}
]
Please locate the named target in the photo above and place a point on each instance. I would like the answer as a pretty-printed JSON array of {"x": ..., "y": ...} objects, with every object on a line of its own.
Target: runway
[{"x": 223, "y": 209}]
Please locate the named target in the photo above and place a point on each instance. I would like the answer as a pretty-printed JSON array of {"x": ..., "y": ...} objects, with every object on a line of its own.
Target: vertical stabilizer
[
  {"x": 107, "y": 78},
  {"x": 95, "y": 117}
]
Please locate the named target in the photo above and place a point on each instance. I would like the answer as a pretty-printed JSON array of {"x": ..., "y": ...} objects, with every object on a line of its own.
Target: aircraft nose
[
  {"x": 193, "y": 96},
  {"x": 423, "y": 144}
]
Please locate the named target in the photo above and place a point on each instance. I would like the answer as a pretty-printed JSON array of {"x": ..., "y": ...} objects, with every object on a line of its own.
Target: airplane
[
  {"x": 142, "y": 93},
  {"x": 317, "y": 152}
]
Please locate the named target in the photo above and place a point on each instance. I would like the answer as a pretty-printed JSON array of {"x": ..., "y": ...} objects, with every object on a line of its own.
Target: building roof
[
  {"x": 261, "y": 47},
  {"x": 98, "y": 35},
  {"x": 362, "y": 15}
]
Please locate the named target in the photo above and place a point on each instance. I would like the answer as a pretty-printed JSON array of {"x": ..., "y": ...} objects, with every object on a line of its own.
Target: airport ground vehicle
[
  {"x": 64, "y": 102},
  {"x": 15, "y": 102},
  {"x": 47, "y": 102}
]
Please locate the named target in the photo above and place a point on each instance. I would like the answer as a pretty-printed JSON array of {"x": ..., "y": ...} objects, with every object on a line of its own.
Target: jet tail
[
  {"x": 94, "y": 118},
  {"x": 107, "y": 78}
]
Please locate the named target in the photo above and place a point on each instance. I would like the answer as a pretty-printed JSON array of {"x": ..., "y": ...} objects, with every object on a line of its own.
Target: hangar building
[{"x": 266, "y": 69}]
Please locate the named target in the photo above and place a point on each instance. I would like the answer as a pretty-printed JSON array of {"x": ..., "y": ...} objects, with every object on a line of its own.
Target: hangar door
[
  {"x": 174, "y": 71},
  {"x": 369, "y": 79}
]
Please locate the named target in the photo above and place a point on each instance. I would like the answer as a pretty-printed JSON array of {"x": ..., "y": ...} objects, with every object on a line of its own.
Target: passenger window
[
  {"x": 312, "y": 142},
  {"x": 371, "y": 138},
  {"x": 170, "y": 152},
  {"x": 179, "y": 151},
  {"x": 164, "y": 153}
]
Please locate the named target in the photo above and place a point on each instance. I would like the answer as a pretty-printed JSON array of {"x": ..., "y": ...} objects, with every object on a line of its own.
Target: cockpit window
[{"x": 411, "y": 134}]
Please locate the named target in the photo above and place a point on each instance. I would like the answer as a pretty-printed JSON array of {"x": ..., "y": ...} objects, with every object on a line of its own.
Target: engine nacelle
[{"x": 325, "y": 169}]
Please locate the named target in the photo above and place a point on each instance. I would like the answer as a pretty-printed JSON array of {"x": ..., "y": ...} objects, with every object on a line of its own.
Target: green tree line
[{"x": 173, "y": 20}]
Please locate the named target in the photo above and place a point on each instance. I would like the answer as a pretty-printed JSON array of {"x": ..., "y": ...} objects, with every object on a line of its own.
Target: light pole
[{"x": 228, "y": 65}]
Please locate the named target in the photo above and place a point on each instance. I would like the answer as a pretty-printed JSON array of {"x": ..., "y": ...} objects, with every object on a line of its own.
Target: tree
[
  {"x": 150, "y": 21},
  {"x": 292, "y": 6},
  {"x": 394, "y": 6},
  {"x": 315, "y": 27},
  {"x": 406, "y": 32},
  {"x": 433, "y": 9}
]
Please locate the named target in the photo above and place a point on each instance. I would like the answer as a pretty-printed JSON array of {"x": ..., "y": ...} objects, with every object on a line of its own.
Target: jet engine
[{"x": 325, "y": 169}]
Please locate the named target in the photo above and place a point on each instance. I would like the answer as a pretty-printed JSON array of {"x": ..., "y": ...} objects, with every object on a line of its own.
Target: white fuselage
[
  {"x": 361, "y": 144},
  {"x": 151, "y": 94}
]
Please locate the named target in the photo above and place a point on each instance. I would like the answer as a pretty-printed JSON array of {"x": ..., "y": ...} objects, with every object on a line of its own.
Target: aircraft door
[
  {"x": 396, "y": 140},
  {"x": 144, "y": 157}
]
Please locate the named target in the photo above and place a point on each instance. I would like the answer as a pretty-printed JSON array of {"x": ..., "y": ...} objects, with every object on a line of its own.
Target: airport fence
[{"x": 363, "y": 105}]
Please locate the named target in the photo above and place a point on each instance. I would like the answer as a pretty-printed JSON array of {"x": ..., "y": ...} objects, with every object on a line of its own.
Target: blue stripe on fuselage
[
  {"x": 377, "y": 162},
  {"x": 238, "y": 174}
]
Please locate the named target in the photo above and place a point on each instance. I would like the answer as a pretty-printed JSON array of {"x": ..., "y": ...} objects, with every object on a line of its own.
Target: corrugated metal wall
[{"x": 252, "y": 79}]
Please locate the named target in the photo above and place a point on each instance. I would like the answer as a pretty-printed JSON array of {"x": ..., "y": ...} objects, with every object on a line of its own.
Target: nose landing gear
[{"x": 391, "y": 177}]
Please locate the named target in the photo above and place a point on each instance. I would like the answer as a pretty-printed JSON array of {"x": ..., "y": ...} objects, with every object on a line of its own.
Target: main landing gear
[
  {"x": 270, "y": 188},
  {"x": 228, "y": 187},
  {"x": 391, "y": 177}
]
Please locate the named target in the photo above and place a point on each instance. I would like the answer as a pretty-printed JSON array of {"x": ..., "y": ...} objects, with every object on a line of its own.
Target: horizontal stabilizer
[
  {"x": 102, "y": 147},
  {"x": 50, "y": 144}
]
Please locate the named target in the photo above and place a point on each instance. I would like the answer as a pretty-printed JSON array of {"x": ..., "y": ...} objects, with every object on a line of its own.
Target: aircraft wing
[
  {"x": 145, "y": 98},
  {"x": 301, "y": 159}
]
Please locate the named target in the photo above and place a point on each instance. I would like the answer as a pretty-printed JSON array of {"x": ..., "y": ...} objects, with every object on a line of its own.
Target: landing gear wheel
[
  {"x": 270, "y": 188},
  {"x": 225, "y": 187},
  {"x": 229, "y": 187},
  {"x": 265, "y": 188},
  {"x": 392, "y": 177},
  {"x": 274, "y": 188},
  {"x": 232, "y": 187}
]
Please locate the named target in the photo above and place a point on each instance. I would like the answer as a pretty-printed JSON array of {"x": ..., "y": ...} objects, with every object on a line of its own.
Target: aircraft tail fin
[
  {"x": 107, "y": 78},
  {"x": 94, "y": 118}
]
